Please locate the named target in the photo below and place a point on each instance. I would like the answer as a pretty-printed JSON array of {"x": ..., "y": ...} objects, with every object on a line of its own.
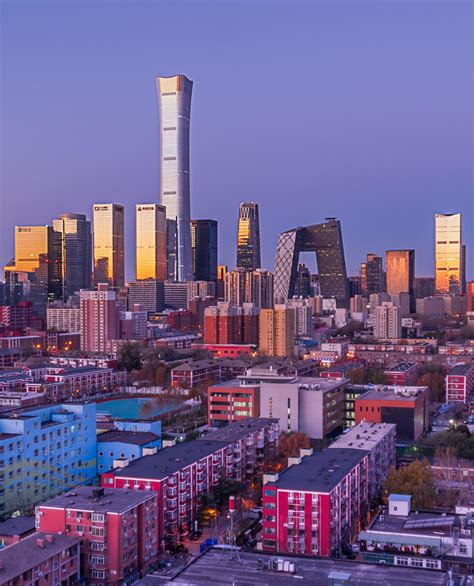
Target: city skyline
[{"x": 416, "y": 172}]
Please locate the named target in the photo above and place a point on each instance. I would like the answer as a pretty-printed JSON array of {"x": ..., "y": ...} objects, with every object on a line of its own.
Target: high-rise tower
[
  {"x": 248, "y": 237},
  {"x": 76, "y": 244},
  {"x": 151, "y": 242},
  {"x": 174, "y": 95},
  {"x": 448, "y": 254},
  {"x": 204, "y": 249},
  {"x": 109, "y": 253},
  {"x": 400, "y": 266}
]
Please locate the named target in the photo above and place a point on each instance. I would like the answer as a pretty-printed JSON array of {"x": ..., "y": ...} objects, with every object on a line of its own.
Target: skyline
[{"x": 246, "y": 141}]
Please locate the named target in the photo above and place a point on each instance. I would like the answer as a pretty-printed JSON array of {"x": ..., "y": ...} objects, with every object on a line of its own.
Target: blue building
[
  {"x": 126, "y": 446},
  {"x": 45, "y": 451}
]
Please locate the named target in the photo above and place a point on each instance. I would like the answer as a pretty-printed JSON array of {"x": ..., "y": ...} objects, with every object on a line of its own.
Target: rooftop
[
  {"x": 197, "y": 365},
  {"x": 26, "y": 554},
  {"x": 321, "y": 471},
  {"x": 461, "y": 369},
  {"x": 392, "y": 393},
  {"x": 100, "y": 500},
  {"x": 17, "y": 526},
  {"x": 238, "y": 429},
  {"x": 216, "y": 567},
  {"x": 401, "y": 367},
  {"x": 137, "y": 438},
  {"x": 364, "y": 436},
  {"x": 235, "y": 383}
]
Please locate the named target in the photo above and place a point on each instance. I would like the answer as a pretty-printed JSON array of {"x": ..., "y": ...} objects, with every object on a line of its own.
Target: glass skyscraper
[
  {"x": 248, "y": 237},
  {"x": 151, "y": 242},
  {"x": 204, "y": 249},
  {"x": 109, "y": 253},
  {"x": 400, "y": 268},
  {"x": 76, "y": 246},
  {"x": 174, "y": 95},
  {"x": 448, "y": 254}
]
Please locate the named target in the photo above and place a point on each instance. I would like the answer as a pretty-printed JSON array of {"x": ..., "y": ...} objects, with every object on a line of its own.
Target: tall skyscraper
[
  {"x": 109, "y": 251},
  {"x": 448, "y": 254},
  {"x": 151, "y": 242},
  {"x": 174, "y": 95},
  {"x": 248, "y": 237},
  {"x": 204, "y": 249},
  {"x": 400, "y": 267},
  {"x": 374, "y": 277},
  {"x": 236, "y": 287},
  {"x": 259, "y": 288},
  {"x": 76, "y": 246},
  {"x": 38, "y": 261},
  {"x": 470, "y": 296},
  {"x": 99, "y": 318}
]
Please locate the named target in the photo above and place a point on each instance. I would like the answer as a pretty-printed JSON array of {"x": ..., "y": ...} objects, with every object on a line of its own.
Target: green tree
[
  {"x": 416, "y": 480},
  {"x": 130, "y": 356}
]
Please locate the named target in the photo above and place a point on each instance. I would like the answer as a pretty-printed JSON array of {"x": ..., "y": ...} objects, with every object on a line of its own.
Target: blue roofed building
[{"x": 123, "y": 446}]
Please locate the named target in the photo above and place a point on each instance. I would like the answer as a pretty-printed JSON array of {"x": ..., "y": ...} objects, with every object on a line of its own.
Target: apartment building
[
  {"x": 316, "y": 506},
  {"x": 85, "y": 381},
  {"x": 402, "y": 373},
  {"x": 45, "y": 451},
  {"x": 41, "y": 559},
  {"x": 116, "y": 445},
  {"x": 194, "y": 373},
  {"x": 378, "y": 439},
  {"x": 460, "y": 383},
  {"x": 117, "y": 530},
  {"x": 181, "y": 473}
]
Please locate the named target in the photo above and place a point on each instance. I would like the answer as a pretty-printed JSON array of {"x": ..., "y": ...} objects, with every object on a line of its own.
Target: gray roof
[
  {"x": 321, "y": 471},
  {"x": 17, "y": 526},
  {"x": 461, "y": 369},
  {"x": 137, "y": 438},
  {"x": 238, "y": 429},
  {"x": 26, "y": 554},
  {"x": 115, "y": 500},
  {"x": 216, "y": 567}
]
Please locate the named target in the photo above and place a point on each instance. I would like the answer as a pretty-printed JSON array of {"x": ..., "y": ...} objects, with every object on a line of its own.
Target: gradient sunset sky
[{"x": 359, "y": 110}]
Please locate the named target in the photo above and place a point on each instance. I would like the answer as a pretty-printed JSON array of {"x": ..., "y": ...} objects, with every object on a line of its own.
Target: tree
[
  {"x": 416, "y": 480},
  {"x": 130, "y": 356},
  {"x": 435, "y": 383},
  {"x": 289, "y": 444},
  {"x": 449, "y": 473}
]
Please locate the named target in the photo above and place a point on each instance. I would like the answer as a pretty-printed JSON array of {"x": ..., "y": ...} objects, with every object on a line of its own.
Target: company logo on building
[
  {"x": 101, "y": 208},
  {"x": 145, "y": 208}
]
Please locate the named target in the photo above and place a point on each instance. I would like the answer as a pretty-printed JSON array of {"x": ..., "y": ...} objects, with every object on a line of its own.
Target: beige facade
[{"x": 277, "y": 331}]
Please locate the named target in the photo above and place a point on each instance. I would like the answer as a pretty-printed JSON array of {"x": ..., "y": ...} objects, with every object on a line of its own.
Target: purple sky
[{"x": 360, "y": 110}]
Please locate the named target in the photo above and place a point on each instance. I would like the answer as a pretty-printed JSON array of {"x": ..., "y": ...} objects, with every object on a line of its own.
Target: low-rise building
[
  {"x": 86, "y": 381},
  {"x": 194, "y": 373},
  {"x": 117, "y": 445},
  {"x": 407, "y": 407},
  {"x": 117, "y": 530},
  {"x": 43, "y": 559},
  {"x": 379, "y": 440},
  {"x": 316, "y": 506},
  {"x": 231, "y": 401},
  {"x": 402, "y": 373},
  {"x": 15, "y": 529},
  {"x": 460, "y": 383},
  {"x": 8, "y": 357},
  {"x": 341, "y": 369}
]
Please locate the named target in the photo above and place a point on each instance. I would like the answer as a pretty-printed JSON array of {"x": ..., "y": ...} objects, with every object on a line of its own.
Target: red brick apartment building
[
  {"x": 316, "y": 505},
  {"x": 179, "y": 474},
  {"x": 460, "y": 383},
  {"x": 41, "y": 560},
  {"x": 117, "y": 530},
  {"x": 402, "y": 373}
]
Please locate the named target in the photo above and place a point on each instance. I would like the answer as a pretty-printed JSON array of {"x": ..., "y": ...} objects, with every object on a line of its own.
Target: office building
[
  {"x": 76, "y": 247},
  {"x": 470, "y": 296},
  {"x": 372, "y": 275},
  {"x": 277, "y": 331},
  {"x": 99, "y": 318},
  {"x": 248, "y": 237},
  {"x": 117, "y": 529},
  {"x": 424, "y": 287},
  {"x": 109, "y": 248},
  {"x": 43, "y": 559},
  {"x": 400, "y": 267},
  {"x": 174, "y": 96},
  {"x": 231, "y": 401},
  {"x": 45, "y": 450},
  {"x": 326, "y": 241},
  {"x": 317, "y": 505},
  {"x": 448, "y": 254},
  {"x": 150, "y": 294},
  {"x": 150, "y": 242},
  {"x": 378, "y": 439},
  {"x": 314, "y": 406},
  {"x": 407, "y": 407},
  {"x": 259, "y": 288},
  {"x": 460, "y": 383},
  {"x": 204, "y": 249},
  {"x": 176, "y": 295},
  {"x": 387, "y": 321},
  {"x": 303, "y": 282},
  {"x": 183, "y": 472},
  {"x": 38, "y": 265}
]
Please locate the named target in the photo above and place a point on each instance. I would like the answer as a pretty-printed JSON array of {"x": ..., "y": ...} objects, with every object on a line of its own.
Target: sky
[{"x": 361, "y": 110}]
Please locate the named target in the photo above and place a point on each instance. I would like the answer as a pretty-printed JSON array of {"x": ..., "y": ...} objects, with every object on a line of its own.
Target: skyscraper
[
  {"x": 400, "y": 266},
  {"x": 38, "y": 259},
  {"x": 248, "y": 237},
  {"x": 374, "y": 277},
  {"x": 448, "y": 254},
  {"x": 109, "y": 253},
  {"x": 204, "y": 249},
  {"x": 151, "y": 242},
  {"x": 259, "y": 288},
  {"x": 76, "y": 246},
  {"x": 174, "y": 95}
]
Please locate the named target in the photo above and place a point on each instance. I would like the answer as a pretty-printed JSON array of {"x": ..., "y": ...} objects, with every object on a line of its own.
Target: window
[
  {"x": 416, "y": 563},
  {"x": 462, "y": 548},
  {"x": 268, "y": 492}
]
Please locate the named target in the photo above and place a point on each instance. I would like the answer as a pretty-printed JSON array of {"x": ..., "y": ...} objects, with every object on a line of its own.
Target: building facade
[
  {"x": 277, "y": 331},
  {"x": 150, "y": 242},
  {"x": 99, "y": 318},
  {"x": 400, "y": 267},
  {"x": 204, "y": 249},
  {"x": 448, "y": 254},
  {"x": 248, "y": 237},
  {"x": 460, "y": 383},
  {"x": 109, "y": 247},
  {"x": 231, "y": 401}
]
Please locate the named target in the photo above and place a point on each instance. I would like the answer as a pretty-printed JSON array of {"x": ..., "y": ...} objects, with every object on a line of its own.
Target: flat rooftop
[
  {"x": 321, "y": 471},
  {"x": 433, "y": 524},
  {"x": 17, "y": 526},
  {"x": 217, "y": 567},
  {"x": 238, "y": 429},
  {"x": 235, "y": 383},
  {"x": 87, "y": 498},
  {"x": 26, "y": 554},
  {"x": 461, "y": 369},
  {"x": 364, "y": 435},
  {"x": 137, "y": 438},
  {"x": 393, "y": 393},
  {"x": 401, "y": 367}
]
